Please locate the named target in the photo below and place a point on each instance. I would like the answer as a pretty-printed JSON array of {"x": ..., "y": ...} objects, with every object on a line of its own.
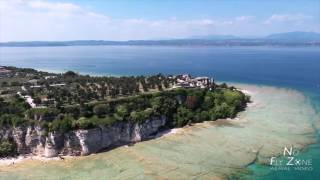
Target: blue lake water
[{"x": 295, "y": 67}]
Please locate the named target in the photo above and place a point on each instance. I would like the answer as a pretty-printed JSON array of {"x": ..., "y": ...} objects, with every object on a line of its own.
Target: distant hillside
[
  {"x": 296, "y": 36},
  {"x": 61, "y": 43},
  {"x": 281, "y": 39},
  {"x": 215, "y": 37}
]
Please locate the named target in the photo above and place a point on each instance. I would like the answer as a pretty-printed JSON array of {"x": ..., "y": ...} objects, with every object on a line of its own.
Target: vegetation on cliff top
[
  {"x": 7, "y": 148},
  {"x": 180, "y": 106},
  {"x": 85, "y": 102}
]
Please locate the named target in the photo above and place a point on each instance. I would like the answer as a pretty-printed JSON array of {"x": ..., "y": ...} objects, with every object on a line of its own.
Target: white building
[
  {"x": 49, "y": 77},
  {"x": 28, "y": 99},
  {"x": 187, "y": 81}
]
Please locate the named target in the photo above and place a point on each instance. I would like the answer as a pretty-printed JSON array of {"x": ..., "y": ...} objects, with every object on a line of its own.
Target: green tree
[
  {"x": 84, "y": 123},
  {"x": 222, "y": 111},
  {"x": 208, "y": 102},
  {"x": 205, "y": 116},
  {"x": 10, "y": 119},
  {"x": 73, "y": 110},
  {"x": 70, "y": 74},
  {"x": 62, "y": 125},
  {"x": 85, "y": 111},
  {"x": 101, "y": 109},
  {"x": 7, "y": 148},
  {"x": 183, "y": 116},
  {"x": 121, "y": 111}
]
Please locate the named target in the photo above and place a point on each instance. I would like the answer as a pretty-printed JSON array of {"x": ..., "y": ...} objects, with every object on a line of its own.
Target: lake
[{"x": 296, "y": 68}]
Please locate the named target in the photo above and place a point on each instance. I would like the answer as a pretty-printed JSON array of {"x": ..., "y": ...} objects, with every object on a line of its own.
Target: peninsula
[{"x": 50, "y": 114}]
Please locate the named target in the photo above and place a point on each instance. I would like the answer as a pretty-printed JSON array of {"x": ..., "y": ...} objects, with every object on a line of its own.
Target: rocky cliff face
[{"x": 32, "y": 139}]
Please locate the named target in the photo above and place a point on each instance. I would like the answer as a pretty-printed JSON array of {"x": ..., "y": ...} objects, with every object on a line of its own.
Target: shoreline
[
  {"x": 22, "y": 158},
  {"x": 162, "y": 134},
  {"x": 9, "y": 161},
  {"x": 221, "y": 138}
]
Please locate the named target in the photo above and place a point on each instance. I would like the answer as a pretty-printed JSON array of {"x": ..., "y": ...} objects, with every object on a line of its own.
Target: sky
[{"x": 60, "y": 20}]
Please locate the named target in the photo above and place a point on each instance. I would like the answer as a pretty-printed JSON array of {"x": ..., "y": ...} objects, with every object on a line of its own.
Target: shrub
[
  {"x": 182, "y": 117},
  {"x": 121, "y": 111},
  {"x": 148, "y": 112},
  {"x": 205, "y": 116},
  {"x": 85, "y": 123},
  {"x": 85, "y": 111},
  {"x": 208, "y": 102},
  {"x": 47, "y": 113},
  {"x": 70, "y": 74},
  {"x": 101, "y": 109},
  {"x": 139, "y": 116},
  {"x": 15, "y": 83},
  {"x": 222, "y": 111},
  {"x": 105, "y": 121},
  {"x": 74, "y": 110},
  {"x": 11, "y": 120},
  {"x": 7, "y": 148},
  {"x": 62, "y": 125}
]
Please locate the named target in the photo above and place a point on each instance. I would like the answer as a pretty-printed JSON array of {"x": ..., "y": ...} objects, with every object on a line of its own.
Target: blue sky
[
  {"x": 25, "y": 20},
  {"x": 188, "y": 9}
]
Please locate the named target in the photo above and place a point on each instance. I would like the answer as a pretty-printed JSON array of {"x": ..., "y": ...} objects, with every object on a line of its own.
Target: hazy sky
[{"x": 26, "y": 20}]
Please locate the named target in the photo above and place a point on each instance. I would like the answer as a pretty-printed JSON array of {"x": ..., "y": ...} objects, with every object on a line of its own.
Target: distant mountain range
[
  {"x": 292, "y": 36},
  {"x": 215, "y": 37},
  {"x": 296, "y": 36},
  {"x": 280, "y": 39}
]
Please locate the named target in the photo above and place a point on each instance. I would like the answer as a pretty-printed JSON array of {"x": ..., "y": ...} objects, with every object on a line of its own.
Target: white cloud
[
  {"x": 280, "y": 18},
  {"x": 25, "y": 20},
  {"x": 291, "y": 22},
  {"x": 42, "y": 20},
  {"x": 207, "y": 22},
  {"x": 65, "y": 7},
  {"x": 244, "y": 18}
]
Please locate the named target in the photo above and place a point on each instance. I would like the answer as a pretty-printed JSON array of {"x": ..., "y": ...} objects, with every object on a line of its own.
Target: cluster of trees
[
  {"x": 11, "y": 115},
  {"x": 23, "y": 73},
  {"x": 12, "y": 111},
  {"x": 81, "y": 88},
  {"x": 13, "y": 83},
  {"x": 212, "y": 105},
  {"x": 84, "y": 102},
  {"x": 181, "y": 107},
  {"x": 7, "y": 148}
]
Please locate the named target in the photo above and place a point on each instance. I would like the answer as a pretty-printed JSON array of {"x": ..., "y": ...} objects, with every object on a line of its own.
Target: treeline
[
  {"x": 12, "y": 111},
  {"x": 27, "y": 72},
  {"x": 181, "y": 107},
  {"x": 7, "y": 148},
  {"x": 80, "y": 89},
  {"x": 12, "y": 114}
]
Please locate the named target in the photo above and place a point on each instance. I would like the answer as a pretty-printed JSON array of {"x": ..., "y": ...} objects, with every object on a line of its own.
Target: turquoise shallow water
[
  {"x": 292, "y": 68},
  {"x": 259, "y": 171},
  {"x": 210, "y": 150}
]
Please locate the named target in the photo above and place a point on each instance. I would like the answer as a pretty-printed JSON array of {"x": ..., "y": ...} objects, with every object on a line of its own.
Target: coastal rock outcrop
[{"x": 33, "y": 139}]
